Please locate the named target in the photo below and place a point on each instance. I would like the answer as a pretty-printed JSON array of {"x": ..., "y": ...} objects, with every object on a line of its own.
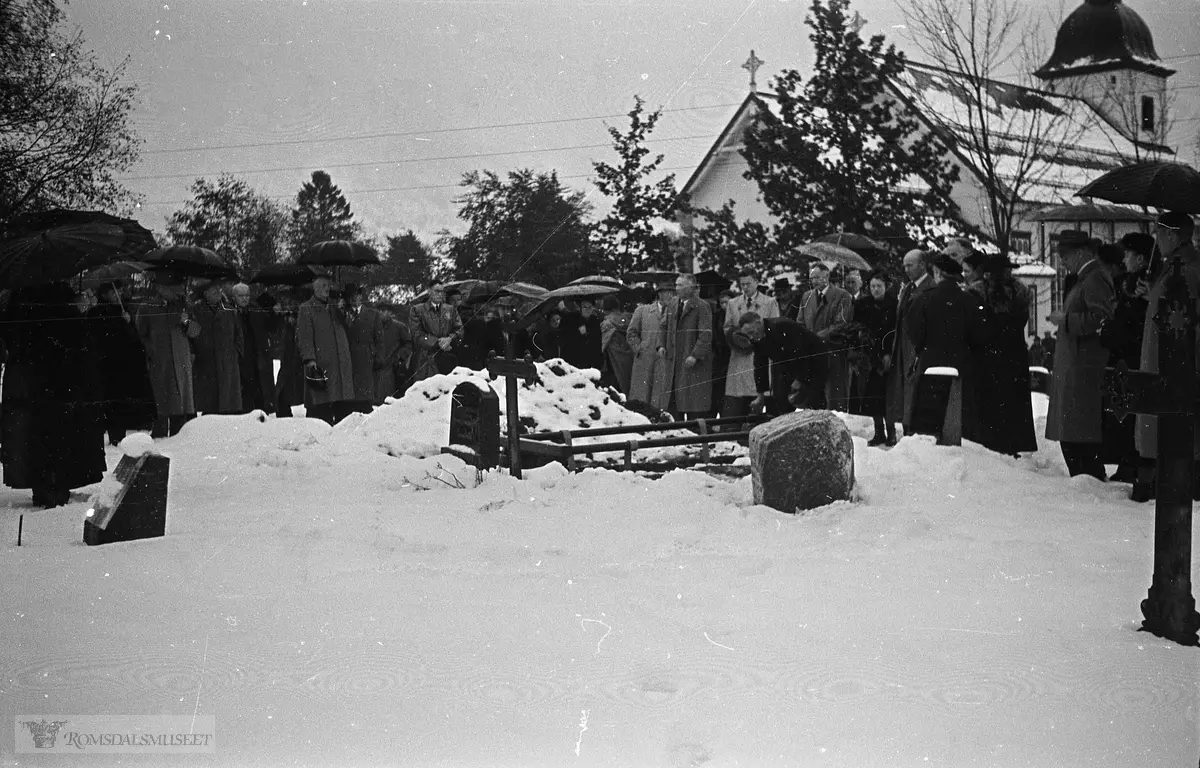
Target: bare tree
[{"x": 1016, "y": 136}]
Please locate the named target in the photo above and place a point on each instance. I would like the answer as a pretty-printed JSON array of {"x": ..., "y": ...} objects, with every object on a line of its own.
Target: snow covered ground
[{"x": 331, "y": 597}]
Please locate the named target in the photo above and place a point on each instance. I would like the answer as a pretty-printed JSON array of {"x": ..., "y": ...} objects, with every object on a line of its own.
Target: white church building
[{"x": 1106, "y": 89}]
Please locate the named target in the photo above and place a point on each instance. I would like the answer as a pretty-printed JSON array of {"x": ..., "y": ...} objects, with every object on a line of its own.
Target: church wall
[{"x": 1118, "y": 96}]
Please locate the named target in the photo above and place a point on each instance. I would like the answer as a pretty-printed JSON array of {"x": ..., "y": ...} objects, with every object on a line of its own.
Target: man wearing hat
[
  {"x": 166, "y": 327},
  {"x": 786, "y": 298},
  {"x": 435, "y": 326},
  {"x": 325, "y": 353},
  {"x": 1173, "y": 240},
  {"x": 128, "y": 396},
  {"x": 1076, "y": 408},
  {"x": 944, "y": 325},
  {"x": 216, "y": 369}
]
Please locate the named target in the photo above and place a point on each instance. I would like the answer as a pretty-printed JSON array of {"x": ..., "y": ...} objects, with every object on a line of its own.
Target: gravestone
[
  {"x": 937, "y": 409},
  {"x": 801, "y": 460},
  {"x": 139, "y": 508},
  {"x": 475, "y": 425}
]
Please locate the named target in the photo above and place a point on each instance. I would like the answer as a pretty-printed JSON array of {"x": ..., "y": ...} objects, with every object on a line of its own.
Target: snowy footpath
[{"x": 347, "y": 597}]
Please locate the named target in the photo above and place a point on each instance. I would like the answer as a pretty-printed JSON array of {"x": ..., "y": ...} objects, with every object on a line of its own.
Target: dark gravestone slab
[
  {"x": 139, "y": 510},
  {"x": 475, "y": 425},
  {"x": 801, "y": 461}
]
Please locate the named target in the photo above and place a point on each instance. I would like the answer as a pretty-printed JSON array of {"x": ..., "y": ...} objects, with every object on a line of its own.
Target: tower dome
[{"x": 1101, "y": 35}]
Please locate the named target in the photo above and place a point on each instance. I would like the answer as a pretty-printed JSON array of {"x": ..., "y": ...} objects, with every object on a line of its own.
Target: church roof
[
  {"x": 1102, "y": 35},
  {"x": 1088, "y": 144}
]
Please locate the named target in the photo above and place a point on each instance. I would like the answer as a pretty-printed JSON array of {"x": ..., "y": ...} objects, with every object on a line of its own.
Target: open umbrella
[
  {"x": 524, "y": 290},
  {"x": 834, "y": 254},
  {"x": 855, "y": 242},
  {"x": 598, "y": 280},
  {"x": 121, "y": 270},
  {"x": 580, "y": 291},
  {"x": 1174, "y": 186},
  {"x": 654, "y": 277},
  {"x": 339, "y": 253},
  {"x": 1091, "y": 212},
  {"x": 57, "y": 245},
  {"x": 191, "y": 261},
  {"x": 284, "y": 274}
]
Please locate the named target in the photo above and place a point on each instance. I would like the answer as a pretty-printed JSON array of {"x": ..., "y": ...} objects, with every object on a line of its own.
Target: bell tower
[{"x": 1104, "y": 54}]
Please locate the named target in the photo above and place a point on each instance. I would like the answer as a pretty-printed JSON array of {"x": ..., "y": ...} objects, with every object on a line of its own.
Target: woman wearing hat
[
  {"x": 216, "y": 368},
  {"x": 1004, "y": 419}
]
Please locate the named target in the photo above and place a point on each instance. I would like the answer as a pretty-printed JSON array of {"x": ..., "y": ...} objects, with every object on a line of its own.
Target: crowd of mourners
[{"x": 80, "y": 365}]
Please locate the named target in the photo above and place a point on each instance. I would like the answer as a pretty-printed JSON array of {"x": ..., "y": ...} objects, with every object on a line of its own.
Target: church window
[
  {"x": 1147, "y": 113},
  {"x": 1021, "y": 243}
]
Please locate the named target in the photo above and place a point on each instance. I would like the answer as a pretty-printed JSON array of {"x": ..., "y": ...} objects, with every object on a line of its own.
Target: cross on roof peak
[
  {"x": 857, "y": 21},
  {"x": 752, "y": 64}
]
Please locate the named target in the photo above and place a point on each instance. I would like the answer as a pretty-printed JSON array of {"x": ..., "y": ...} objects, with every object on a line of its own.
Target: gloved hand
[{"x": 312, "y": 370}]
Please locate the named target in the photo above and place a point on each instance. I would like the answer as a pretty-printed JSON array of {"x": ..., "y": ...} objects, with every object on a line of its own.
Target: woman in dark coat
[
  {"x": 877, "y": 311},
  {"x": 53, "y": 422},
  {"x": 1004, "y": 418},
  {"x": 128, "y": 397},
  {"x": 1122, "y": 336},
  {"x": 289, "y": 385},
  {"x": 216, "y": 370}
]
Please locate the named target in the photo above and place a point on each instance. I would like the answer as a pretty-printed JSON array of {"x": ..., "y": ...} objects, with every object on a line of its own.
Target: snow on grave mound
[{"x": 563, "y": 397}]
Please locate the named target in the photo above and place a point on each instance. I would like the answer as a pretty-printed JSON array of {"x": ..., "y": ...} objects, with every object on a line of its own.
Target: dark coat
[
  {"x": 800, "y": 354},
  {"x": 321, "y": 338},
  {"x": 879, "y": 318},
  {"x": 259, "y": 327},
  {"x": 689, "y": 334},
  {"x": 901, "y": 380},
  {"x": 582, "y": 344},
  {"x": 289, "y": 387},
  {"x": 945, "y": 325},
  {"x": 1004, "y": 418},
  {"x": 618, "y": 355},
  {"x": 427, "y": 325},
  {"x": 365, "y": 334},
  {"x": 1076, "y": 384},
  {"x": 125, "y": 381},
  {"x": 216, "y": 375},
  {"x": 53, "y": 419},
  {"x": 168, "y": 354}
]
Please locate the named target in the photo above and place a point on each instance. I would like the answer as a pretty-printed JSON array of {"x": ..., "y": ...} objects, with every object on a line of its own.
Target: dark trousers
[
  {"x": 169, "y": 426},
  {"x": 331, "y": 413},
  {"x": 1083, "y": 459}
]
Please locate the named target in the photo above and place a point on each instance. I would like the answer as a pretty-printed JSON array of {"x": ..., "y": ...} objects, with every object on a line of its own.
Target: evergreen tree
[
  {"x": 626, "y": 238},
  {"x": 408, "y": 261},
  {"x": 65, "y": 130},
  {"x": 321, "y": 213},
  {"x": 528, "y": 228},
  {"x": 727, "y": 245},
  {"x": 246, "y": 228},
  {"x": 838, "y": 152}
]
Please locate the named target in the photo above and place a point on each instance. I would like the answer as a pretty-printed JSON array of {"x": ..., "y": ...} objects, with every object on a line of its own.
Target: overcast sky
[{"x": 397, "y": 98}]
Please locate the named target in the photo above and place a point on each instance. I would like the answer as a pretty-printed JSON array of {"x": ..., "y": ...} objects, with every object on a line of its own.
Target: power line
[
  {"x": 399, "y": 162},
  {"x": 394, "y": 134},
  {"x": 403, "y": 189}
]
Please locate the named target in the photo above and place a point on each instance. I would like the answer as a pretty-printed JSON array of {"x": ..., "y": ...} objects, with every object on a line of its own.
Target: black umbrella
[
  {"x": 284, "y": 273},
  {"x": 121, "y": 270},
  {"x": 57, "y": 245},
  {"x": 339, "y": 253},
  {"x": 191, "y": 261},
  {"x": 1174, "y": 186},
  {"x": 598, "y": 280},
  {"x": 1090, "y": 212},
  {"x": 655, "y": 277}
]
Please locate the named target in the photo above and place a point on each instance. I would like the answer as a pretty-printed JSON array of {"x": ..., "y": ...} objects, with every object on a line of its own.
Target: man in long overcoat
[
  {"x": 434, "y": 326},
  {"x": 216, "y": 376},
  {"x": 259, "y": 322},
  {"x": 825, "y": 310},
  {"x": 128, "y": 396},
  {"x": 687, "y": 348},
  {"x": 946, "y": 326},
  {"x": 1074, "y": 415},
  {"x": 648, "y": 378},
  {"x": 365, "y": 329},
  {"x": 740, "y": 386},
  {"x": 167, "y": 329},
  {"x": 901, "y": 356},
  {"x": 325, "y": 353},
  {"x": 1173, "y": 237}
]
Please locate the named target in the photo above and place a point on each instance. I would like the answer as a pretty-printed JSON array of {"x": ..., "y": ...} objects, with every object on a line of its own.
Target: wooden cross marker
[
  {"x": 752, "y": 64},
  {"x": 1169, "y": 609},
  {"x": 513, "y": 370}
]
